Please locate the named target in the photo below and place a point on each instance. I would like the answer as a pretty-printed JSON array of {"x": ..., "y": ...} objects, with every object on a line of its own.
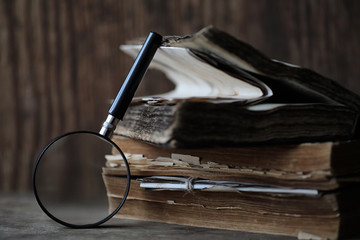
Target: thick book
[
  {"x": 242, "y": 142},
  {"x": 333, "y": 215},
  {"x": 228, "y": 93},
  {"x": 308, "y": 190},
  {"x": 322, "y": 166}
]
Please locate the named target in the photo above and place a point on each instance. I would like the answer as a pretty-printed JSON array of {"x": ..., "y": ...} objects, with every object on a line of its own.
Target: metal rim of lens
[{"x": 90, "y": 225}]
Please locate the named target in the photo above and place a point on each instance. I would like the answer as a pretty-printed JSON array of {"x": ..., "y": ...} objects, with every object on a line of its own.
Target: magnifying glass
[{"x": 67, "y": 178}]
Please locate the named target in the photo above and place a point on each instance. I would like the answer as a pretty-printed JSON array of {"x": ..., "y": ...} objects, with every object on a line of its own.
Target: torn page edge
[{"x": 189, "y": 184}]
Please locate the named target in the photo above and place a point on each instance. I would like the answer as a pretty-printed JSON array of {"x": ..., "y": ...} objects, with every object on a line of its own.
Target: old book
[
  {"x": 322, "y": 166},
  {"x": 243, "y": 142},
  {"x": 329, "y": 215},
  {"x": 278, "y": 189},
  {"x": 228, "y": 93}
]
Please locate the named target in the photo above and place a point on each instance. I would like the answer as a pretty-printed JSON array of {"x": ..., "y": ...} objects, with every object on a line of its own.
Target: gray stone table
[{"x": 21, "y": 218}]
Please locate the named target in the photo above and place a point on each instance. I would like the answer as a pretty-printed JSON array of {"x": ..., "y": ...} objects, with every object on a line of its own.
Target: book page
[
  {"x": 194, "y": 78},
  {"x": 188, "y": 184}
]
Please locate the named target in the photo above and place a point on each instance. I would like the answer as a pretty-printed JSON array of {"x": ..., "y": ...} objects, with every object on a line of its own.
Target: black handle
[{"x": 136, "y": 74}]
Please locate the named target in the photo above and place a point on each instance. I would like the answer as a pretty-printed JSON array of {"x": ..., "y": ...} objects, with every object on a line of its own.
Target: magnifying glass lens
[{"x": 68, "y": 180}]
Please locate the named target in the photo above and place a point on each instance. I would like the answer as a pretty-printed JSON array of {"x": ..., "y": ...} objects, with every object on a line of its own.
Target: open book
[
  {"x": 227, "y": 97},
  {"x": 228, "y": 93}
]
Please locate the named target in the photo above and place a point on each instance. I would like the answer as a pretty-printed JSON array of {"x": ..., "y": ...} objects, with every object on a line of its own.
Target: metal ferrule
[{"x": 109, "y": 126}]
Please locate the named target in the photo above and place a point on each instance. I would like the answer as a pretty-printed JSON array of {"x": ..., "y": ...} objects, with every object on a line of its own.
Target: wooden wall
[{"x": 60, "y": 63}]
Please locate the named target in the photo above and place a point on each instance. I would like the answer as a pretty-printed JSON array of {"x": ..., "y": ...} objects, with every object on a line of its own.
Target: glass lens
[{"x": 69, "y": 179}]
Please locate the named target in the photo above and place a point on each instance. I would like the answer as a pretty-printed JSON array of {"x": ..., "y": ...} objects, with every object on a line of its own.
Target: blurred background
[{"x": 60, "y": 63}]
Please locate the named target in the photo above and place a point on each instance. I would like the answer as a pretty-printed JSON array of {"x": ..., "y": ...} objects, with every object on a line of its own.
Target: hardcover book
[
  {"x": 242, "y": 142},
  {"x": 228, "y": 93}
]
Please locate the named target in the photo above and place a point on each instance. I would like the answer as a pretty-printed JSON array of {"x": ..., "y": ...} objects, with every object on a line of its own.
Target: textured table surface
[{"x": 21, "y": 218}]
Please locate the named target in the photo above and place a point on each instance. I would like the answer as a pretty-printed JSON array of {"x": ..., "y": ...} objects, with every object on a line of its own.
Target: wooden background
[{"x": 60, "y": 64}]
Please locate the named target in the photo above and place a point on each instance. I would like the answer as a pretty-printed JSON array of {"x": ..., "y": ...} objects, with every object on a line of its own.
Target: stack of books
[{"x": 243, "y": 142}]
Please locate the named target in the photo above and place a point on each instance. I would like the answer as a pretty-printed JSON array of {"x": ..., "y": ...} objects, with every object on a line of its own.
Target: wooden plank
[{"x": 60, "y": 63}]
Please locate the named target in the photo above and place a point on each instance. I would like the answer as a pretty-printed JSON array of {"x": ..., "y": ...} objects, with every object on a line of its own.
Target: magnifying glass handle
[{"x": 131, "y": 83}]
